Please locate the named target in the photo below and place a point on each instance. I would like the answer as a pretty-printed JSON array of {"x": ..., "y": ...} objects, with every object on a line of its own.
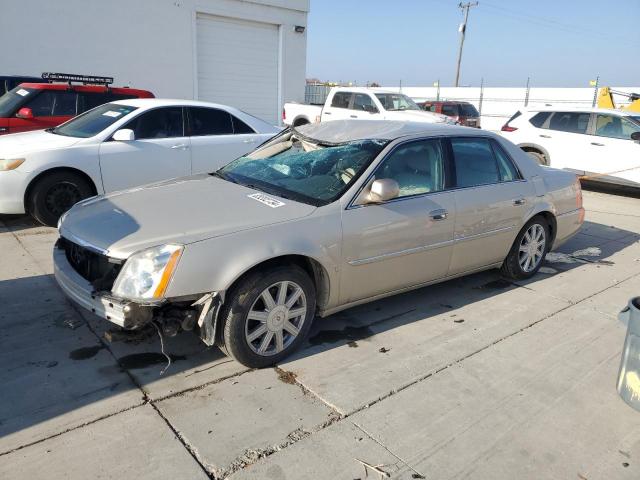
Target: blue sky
[{"x": 555, "y": 42}]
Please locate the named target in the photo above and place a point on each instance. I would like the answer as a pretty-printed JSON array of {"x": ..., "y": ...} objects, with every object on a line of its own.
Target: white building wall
[
  {"x": 498, "y": 104},
  {"x": 147, "y": 44}
]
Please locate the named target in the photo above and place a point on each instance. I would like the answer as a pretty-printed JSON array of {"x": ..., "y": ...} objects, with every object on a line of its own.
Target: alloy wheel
[
  {"x": 276, "y": 318},
  {"x": 532, "y": 248}
]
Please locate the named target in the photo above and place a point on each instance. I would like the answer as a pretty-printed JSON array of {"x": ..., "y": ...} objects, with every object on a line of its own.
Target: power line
[{"x": 554, "y": 24}]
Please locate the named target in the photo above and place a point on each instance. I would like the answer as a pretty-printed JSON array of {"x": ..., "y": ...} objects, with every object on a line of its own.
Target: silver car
[{"x": 318, "y": 219}]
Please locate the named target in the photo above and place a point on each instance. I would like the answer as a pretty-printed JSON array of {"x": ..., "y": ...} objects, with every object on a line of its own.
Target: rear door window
[
  {"x": 571, "y": 122},
  {"x": 164, "y": 122},
  {"x": 363, "y": 103},
  {"x": 341, "y": 100},
  {"x": 209, "y": 121},
  {"x": 89, "y": 100},
  {"x": 474, "y": 161}
]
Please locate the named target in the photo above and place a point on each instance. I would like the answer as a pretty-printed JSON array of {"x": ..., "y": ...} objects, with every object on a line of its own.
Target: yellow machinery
[{"x": 605, "y": 99}]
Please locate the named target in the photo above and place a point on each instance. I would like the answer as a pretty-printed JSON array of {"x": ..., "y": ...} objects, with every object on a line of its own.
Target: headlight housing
[
  {"x": 10, "y": 163},
  {"x": 146, "y": 274}
]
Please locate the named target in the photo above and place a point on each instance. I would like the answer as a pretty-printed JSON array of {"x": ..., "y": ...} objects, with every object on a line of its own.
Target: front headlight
[
  {"x": 10, "y": 163},
  {"x": 146, "y": 274}
]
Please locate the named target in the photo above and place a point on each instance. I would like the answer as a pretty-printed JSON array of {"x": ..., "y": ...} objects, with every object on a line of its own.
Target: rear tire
[
  {"x": 300, "y": 122},
  {"x": 55, "y": 193},
  {"x": 268, "y": 315},
  {"x": 528, "y": 250},
  {"x": 538, "y": 157}
]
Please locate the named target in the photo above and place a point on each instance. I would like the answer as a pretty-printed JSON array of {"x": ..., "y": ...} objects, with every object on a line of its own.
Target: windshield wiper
[
  {"x": 51, "y": 130},
  {"x": 222, "y": 176}
]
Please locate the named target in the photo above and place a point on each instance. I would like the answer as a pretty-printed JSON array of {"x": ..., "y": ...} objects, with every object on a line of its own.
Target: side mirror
[
  {"x": 25, "y": 113},
  {"x": 124, "y": 135},
  {"x": 635, "y": 136},
  {"x": 383, "y": 190}
]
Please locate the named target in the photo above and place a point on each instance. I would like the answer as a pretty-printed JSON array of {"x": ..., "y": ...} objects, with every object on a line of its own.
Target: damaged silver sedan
[{"x": 316, "y": 220}]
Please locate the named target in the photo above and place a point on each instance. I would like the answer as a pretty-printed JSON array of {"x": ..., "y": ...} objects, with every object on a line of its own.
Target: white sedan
[{"x": 117, "y": 146}]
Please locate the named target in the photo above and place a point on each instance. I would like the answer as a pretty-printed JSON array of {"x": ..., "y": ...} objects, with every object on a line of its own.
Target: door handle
[
  {"x": 327, "y": 113},
  {"x": 181, "y": 146},
  {"x": 519, "y": 201},
  {"x": 353, "y": 116},
  {"x": 545, "y": 136},
  {"x": 438, "y": 214},
  {"x": 252, "y": 140},
  {"x": 597, "y": 144}
]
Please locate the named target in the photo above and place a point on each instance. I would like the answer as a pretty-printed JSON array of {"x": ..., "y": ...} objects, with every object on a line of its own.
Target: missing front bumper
[{"x": 125, "y": 314}]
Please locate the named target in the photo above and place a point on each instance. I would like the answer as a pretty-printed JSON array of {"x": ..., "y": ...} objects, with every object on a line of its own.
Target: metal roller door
[{"x": 238, "y": 64}]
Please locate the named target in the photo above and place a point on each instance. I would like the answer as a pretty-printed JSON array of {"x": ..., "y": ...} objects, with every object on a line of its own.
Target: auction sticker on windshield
[{"x": 266, "y": 199}]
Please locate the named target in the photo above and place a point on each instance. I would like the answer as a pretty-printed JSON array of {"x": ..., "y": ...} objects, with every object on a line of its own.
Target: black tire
[
  {"x": 538, "y": 157},
  {"x": 248, "y": 293},
  {"x": 512, "y": 268},
  {"x": 54, "y": 194},
  {"x": 300, "y": 122}
]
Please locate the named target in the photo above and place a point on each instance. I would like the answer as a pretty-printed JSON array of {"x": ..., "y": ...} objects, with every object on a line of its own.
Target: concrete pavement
[{"x": 473, "y": 378}]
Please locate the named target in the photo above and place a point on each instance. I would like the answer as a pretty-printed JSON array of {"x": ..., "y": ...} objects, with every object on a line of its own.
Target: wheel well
[
  {"x": 533, "y": 148},
  {"x": 300, "y": 121},
  {"x": 553, "y": 226},
  {"x": 318, "y": 274},
  {"x": 27, "y": 193}
]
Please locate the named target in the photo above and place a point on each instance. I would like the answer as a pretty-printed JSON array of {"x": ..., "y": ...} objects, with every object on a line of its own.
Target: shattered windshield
[{"x": 298, "y": 168}]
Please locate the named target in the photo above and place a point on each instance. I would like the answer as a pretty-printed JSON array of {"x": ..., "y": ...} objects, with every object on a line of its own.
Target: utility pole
[{"x": 463, "y": 27}]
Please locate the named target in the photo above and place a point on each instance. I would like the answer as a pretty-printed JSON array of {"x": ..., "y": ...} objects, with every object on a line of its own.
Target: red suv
[
  {"x": 463, "y": 112},
  {"x": 34, "y": 106}
]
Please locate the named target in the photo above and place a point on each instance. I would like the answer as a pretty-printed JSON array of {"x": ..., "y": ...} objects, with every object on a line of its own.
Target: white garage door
[{"x": 238, "y": 64}]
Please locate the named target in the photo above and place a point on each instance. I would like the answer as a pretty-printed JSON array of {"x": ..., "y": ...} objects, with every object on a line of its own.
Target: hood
[
  {"x": 24, "y": 143},
  {"x": 181, "y": 211},
  {"x": 419, "y": 116}
]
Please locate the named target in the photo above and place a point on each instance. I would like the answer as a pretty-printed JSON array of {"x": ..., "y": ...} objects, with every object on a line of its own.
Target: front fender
[{"x": 215, "y": 264}]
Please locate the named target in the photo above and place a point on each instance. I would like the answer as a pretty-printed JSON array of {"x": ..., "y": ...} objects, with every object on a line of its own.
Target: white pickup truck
[{"x": 360, "y": 103}]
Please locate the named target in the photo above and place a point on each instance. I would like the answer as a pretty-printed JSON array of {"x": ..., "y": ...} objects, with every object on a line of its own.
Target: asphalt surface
[{"x": 473, "y": 378}]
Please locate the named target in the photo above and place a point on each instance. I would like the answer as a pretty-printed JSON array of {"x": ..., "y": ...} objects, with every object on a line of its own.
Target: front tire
[
  {"x": 268, "y": 316},
  {"x": 54, "y": 194},
  {"x": 528, "y": 250}
]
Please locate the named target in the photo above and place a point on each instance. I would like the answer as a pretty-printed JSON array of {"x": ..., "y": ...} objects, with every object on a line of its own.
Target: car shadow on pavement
[
  {"x": 17, "y": 223},
  {"x": 58, "y": 372}
]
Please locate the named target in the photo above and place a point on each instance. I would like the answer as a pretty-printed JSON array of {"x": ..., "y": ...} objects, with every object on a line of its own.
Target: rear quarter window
[{"x": 539, "y": 119}]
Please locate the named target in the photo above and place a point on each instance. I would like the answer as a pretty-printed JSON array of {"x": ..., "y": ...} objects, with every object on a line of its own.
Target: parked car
[
  {"x": 8, "y": 82},
  {"x": 34, "y": 106},
  {"x": 463, "y": 113},
  {"x": 360, "y": 103},
  {"x": 601, "y": 143},
  {"x": 318, "y": 219},
  {"x": 629, "y": 373},
  {"x": 120, "y": 145}
]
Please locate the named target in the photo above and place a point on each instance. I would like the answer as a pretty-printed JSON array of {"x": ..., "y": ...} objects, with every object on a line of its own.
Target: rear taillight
[
  {"x": 578, "y": 188},
  {"x": 507, "y": 128},
  {"x": 284, "y": 114}
]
